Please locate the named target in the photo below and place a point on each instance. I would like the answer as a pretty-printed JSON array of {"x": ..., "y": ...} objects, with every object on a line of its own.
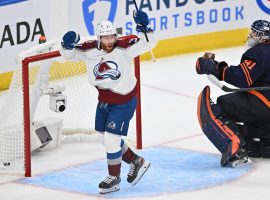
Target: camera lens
[{"x": 60, "y": 106}]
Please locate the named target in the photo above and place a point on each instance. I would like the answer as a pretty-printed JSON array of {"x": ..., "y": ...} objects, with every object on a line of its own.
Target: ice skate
[
  {"x": 238, "y": 160},
  {"x": 109, "y": 184},
  {"x": 137, "y": 169}
]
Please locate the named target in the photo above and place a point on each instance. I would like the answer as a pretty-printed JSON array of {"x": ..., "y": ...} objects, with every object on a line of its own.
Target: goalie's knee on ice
[
  {"x": 265, "y": 148},
  {"x": 258, "y": 147}
]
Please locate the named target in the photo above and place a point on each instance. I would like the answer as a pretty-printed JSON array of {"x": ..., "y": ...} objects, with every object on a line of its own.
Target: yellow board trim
[
  {"x": 198, "y": 43},
  {"x": 5, "y": 80},
  {"x": 180, "y": 45}
]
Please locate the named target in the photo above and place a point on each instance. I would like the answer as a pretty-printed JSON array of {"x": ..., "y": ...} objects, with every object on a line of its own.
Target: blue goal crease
[{"x": 177, "y": 170}]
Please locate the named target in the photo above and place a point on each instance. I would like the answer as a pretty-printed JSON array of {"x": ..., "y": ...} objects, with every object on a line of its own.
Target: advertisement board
[
  {"x": 190, "y": 25},
  {"x": 168, "y": 18},
  {"x": 21, "y": 25},
  {"x": 261, "y": 8}
]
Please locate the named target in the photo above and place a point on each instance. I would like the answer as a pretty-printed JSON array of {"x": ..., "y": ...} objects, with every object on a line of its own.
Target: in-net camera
[{"x": 58, "y": 101}]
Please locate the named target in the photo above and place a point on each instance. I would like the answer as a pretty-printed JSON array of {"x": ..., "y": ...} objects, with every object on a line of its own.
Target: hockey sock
[
  {"x": 127, "y": 154},
  {"x": 114, "y": 170}
]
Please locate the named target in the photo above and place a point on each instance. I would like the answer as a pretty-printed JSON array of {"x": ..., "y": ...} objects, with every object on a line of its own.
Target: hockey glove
[
  {"x": 70, "y": 39},
  {"x": 142, "y": 21},
  {"x": 210, "y": 66}
]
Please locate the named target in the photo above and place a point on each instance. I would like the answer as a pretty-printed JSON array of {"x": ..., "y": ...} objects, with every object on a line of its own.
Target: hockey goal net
[{"x": 27, "y": 103}]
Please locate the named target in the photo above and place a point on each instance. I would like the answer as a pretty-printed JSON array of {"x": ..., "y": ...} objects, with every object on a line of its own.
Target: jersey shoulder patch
[
  {"x": 88, "y": 45},
  {"x": 127, "y": 41}
]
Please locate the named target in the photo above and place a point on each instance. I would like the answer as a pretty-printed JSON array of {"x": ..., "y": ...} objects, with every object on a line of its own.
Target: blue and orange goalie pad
[{"x": 222, "y": 132}]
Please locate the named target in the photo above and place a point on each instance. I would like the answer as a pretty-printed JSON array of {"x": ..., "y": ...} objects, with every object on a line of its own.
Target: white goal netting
[{"x": 80, "y": 105}]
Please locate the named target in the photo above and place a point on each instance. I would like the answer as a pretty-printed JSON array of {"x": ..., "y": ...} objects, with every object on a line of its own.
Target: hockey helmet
[
  {"x": 259, "y": 32},
  {"x": 105, "y": 28}
]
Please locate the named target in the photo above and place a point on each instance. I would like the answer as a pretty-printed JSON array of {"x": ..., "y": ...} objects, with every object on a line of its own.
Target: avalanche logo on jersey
[
  {"x": 89, "y": 13},
  {"x": 264, "y": 5},
  {"x": 106, "y": 69}
]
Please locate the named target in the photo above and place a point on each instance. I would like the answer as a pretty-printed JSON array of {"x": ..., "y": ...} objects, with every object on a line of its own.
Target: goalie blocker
[{"x": 222, "y": 132}]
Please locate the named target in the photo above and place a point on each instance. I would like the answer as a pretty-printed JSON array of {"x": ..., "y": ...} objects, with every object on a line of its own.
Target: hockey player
[
  {"x": 109, "y": 67},
  {"x": 239, "y": 124}
]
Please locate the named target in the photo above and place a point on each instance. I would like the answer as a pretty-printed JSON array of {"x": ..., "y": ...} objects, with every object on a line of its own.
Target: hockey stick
[
  {"x": 225, "y": 88},
  {"x": 145, "y": 34}
]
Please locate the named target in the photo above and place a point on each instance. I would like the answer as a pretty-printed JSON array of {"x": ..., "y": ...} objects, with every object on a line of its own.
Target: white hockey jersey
[{"x": 112, "y": 73}]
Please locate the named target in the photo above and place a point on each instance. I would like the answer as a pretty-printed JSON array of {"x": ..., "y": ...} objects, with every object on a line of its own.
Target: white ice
[{"x": 170, "y": 87}]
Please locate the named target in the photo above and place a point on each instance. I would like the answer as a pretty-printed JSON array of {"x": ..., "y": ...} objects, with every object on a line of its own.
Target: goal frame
[{"x": 26, "y": 104}]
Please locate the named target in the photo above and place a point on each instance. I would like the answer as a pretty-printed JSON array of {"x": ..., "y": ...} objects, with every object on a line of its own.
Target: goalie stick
[
  {"x": 145, "y": 34},
  {"x": 225, "y": 88}
]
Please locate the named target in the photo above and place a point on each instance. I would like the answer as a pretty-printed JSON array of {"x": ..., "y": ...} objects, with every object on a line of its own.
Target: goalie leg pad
[{"x": 222, "y": 132}]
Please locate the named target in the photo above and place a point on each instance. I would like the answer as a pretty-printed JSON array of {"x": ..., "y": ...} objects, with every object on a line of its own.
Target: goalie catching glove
[
  {"x": 70, "y": 39},
  {"x": 208, "y": 65}
]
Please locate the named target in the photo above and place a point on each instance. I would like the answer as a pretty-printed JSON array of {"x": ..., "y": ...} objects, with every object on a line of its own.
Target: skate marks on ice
[{"x": 172, "y": 171}]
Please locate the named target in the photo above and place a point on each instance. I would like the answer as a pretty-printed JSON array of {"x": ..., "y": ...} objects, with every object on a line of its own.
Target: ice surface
[{"x": 170, "y": 88}]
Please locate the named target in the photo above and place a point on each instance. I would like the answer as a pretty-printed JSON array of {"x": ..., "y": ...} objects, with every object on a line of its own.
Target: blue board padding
[{"x": 172, "y": 170}]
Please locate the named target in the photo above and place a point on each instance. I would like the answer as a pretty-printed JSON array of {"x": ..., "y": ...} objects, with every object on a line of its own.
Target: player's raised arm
[
  {"x": 70, "y": 39},
  {"x": 67, "y": 49},
  {"x": 144, "y": 44}
]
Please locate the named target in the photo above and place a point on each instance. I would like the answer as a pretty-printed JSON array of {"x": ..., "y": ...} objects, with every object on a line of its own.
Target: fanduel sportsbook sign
[{"x": 169, "y": 18}]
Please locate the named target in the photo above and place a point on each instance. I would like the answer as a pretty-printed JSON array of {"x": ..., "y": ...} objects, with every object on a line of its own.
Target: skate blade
[
  {"x": 112, "y": 189},
  {"x": 240, "y": 163},
  {"x": 141, "y": 172}
]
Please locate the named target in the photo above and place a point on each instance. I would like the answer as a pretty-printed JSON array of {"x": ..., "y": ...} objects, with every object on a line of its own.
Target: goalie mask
[
  {"x": 258, "y": 33},
  {"x": 105, "y": 28}
]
